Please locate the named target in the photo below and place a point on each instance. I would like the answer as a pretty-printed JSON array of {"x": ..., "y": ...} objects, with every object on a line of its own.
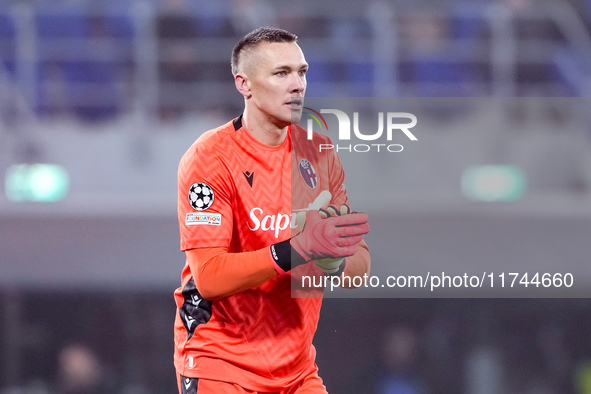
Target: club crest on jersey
[
  {"x": 308, "y": 173},
  {"x": 201, "y": 196}
]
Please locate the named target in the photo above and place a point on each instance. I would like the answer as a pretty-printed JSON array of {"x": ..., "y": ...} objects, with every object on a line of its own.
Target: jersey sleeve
[
  {"x": 204, "y": 200},
  {"x": 220, "y": 274}
]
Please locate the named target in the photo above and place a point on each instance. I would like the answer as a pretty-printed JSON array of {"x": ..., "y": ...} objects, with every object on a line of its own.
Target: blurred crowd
[{"x": 97, "y": 60}]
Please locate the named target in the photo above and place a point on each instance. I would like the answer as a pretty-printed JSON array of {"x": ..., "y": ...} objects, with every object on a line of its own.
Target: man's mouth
[{"x": 296, "y": 102}]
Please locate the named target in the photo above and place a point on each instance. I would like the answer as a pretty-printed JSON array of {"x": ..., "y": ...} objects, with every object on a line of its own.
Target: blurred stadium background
[{"x": 99, "y": 99}]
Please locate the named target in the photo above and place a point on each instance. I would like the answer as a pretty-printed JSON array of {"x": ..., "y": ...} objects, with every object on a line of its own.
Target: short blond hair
[{"x": 255, "y": 37}]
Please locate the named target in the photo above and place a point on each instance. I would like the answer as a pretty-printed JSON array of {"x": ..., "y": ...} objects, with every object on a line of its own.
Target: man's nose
[{"x": 299, "y": 84}]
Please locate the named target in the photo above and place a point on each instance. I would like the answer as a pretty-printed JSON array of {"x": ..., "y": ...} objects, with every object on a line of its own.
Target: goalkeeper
[{"x": 241, "y": 187}]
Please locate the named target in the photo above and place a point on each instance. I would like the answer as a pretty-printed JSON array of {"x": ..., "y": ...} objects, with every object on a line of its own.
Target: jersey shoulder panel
[
  {"x": 206, "y": 221},
  {"x": 214, "y": 140}
]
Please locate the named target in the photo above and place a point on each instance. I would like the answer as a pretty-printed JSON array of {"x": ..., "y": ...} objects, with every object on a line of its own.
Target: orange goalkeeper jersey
[{"x": 239, "y": 194}]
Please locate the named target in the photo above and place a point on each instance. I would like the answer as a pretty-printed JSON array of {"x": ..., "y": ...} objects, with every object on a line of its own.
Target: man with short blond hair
[{"x": 238, "y": 329}]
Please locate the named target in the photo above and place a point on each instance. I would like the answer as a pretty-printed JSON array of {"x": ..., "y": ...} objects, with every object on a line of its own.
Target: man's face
[{"x": 276, "y": 73}]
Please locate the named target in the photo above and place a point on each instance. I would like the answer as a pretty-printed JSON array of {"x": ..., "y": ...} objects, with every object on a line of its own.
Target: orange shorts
[{"x": 311, "y": 384}]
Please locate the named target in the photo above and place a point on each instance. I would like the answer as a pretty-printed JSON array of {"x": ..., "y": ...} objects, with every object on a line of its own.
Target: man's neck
[{"x": 262, "y": 129}]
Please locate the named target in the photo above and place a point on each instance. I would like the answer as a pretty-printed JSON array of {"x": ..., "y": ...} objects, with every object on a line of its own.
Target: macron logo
[{"x": 249, "y": 177}]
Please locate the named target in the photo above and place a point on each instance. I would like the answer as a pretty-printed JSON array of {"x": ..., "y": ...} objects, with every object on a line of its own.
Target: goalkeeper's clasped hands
[
  {"x": 327, "y": 241},
  {"x": 327, "y": 237}
]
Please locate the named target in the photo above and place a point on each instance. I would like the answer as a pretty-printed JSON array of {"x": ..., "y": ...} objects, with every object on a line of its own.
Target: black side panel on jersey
[
  {"x": 195, "y": 310},
  {"x": 189, "y": 385}
]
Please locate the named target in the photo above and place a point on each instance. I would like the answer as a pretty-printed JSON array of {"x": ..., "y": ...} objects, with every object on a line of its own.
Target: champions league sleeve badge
[
  {"x": 201, "y": 196},
  {"x": 308, "y": 173}
]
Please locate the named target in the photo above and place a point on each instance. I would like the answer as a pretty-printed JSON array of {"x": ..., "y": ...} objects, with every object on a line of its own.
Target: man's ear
[{"x": 242, "y": 85}]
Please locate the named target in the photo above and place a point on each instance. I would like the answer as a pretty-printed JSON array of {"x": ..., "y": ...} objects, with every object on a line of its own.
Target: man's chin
[{"x": 296, "y": 115}]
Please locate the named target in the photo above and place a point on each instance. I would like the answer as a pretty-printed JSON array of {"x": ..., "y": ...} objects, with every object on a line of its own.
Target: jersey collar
[{"x": 237, "y": 123}]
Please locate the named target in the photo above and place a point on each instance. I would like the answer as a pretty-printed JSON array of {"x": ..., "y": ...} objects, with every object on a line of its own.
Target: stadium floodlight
[
  {"x": 36, "y": 182},
  {"x": 494, "y": 183}
]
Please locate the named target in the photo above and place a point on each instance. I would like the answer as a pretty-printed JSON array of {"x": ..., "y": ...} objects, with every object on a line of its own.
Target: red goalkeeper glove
[
  {"x": 332, "y": 266},
  {"x": 333, "y": 237}
]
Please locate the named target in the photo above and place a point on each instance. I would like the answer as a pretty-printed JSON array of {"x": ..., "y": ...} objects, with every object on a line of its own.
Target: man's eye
[{"x": 281, "y": 73}]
